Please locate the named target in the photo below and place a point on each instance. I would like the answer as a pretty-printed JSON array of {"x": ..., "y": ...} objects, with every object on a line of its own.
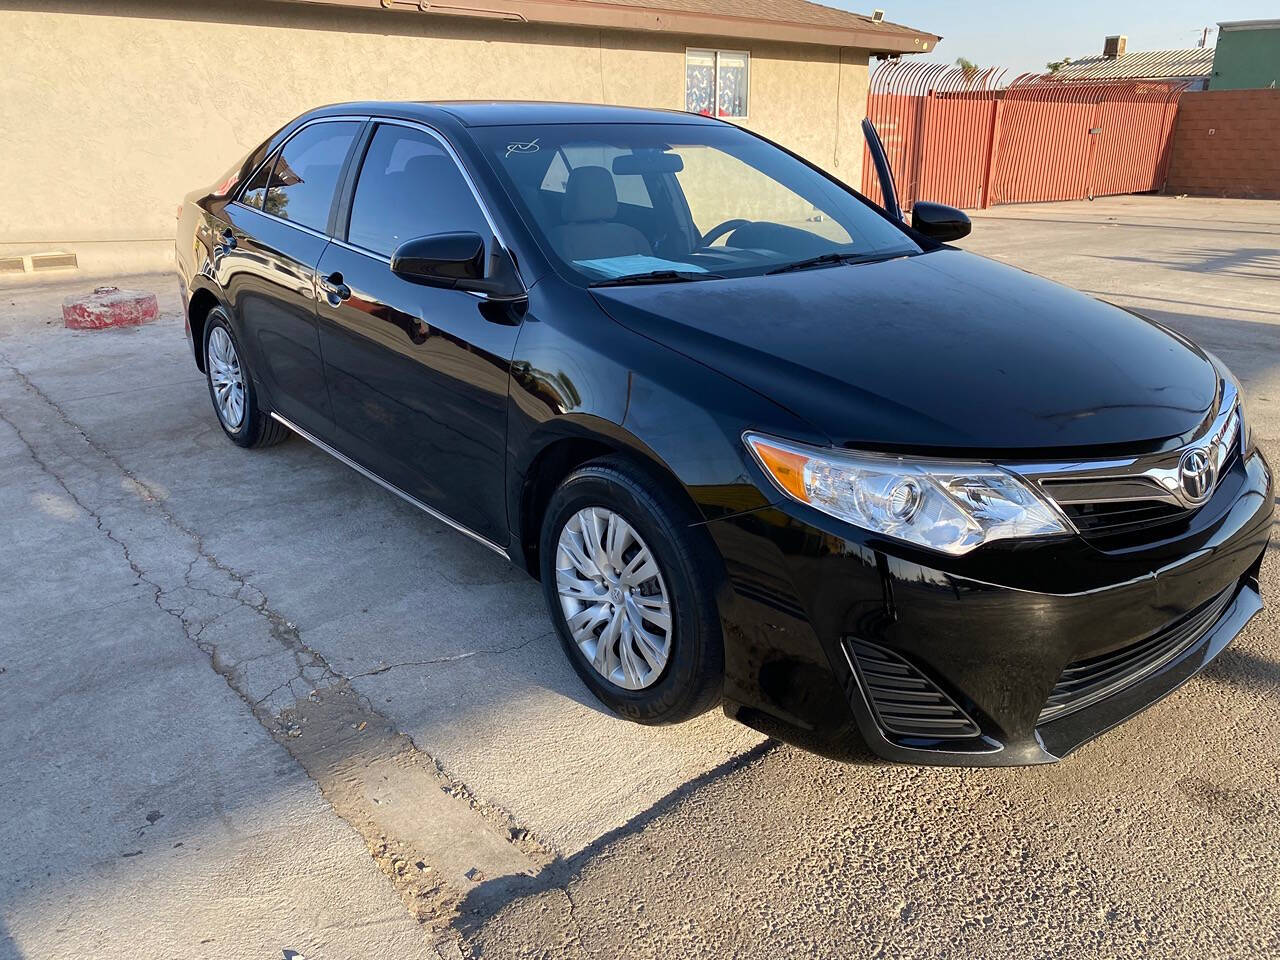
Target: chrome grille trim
[
  {"x": 1127, "y": 502},
  {"x": 1152, "y": 477}
]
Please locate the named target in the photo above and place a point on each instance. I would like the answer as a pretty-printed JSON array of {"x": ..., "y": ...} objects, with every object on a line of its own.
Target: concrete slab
[{"x": 143, "y": 811}]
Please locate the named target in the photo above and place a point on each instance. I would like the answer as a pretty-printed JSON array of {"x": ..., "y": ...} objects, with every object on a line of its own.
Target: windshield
[{"x": 678, "y": 201}]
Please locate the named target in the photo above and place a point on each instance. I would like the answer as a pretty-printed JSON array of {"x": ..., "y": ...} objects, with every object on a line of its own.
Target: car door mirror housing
[
  {"x": 457, "y": 261},
  {"x": 939, "y": 221},
  {"x": 440, "y": 260}
]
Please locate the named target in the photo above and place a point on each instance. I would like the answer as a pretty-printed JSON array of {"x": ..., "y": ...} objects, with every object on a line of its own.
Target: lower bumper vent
[
  {"x": 906, "y": 702},
  {"x": 1085, "y": 682}
]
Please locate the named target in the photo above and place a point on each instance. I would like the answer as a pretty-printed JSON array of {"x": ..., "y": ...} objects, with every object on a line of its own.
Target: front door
[
  {"x": 417, "y": 375},
  {"x": 268, "y": 256}
]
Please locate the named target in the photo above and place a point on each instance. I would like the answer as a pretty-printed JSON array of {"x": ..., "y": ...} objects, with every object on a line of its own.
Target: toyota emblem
[{"x": 1196, "y": 474}]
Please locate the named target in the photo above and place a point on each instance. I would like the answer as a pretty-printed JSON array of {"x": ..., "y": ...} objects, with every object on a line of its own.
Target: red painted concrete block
[{"x": 109, "y": 307}]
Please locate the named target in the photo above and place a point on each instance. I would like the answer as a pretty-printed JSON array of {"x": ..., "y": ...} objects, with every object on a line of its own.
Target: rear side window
[
  {"x": 256, "y": 189},
  {"x": 409, "y": 187},
  {"x": 306, "y": 174}
]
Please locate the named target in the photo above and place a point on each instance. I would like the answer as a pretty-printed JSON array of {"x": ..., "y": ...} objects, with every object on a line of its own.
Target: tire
[
  {"x": 241, "y": 417},
  {"x": 690, "y": 679}
]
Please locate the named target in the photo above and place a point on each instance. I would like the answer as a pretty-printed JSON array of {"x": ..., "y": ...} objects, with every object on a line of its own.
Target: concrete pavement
[{"x": 361, "y": 731}]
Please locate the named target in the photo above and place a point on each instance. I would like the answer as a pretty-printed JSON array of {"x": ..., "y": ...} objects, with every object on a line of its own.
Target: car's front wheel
[
  {"x": 627, "y": 584},
  {"x": 231, "y": 387}
]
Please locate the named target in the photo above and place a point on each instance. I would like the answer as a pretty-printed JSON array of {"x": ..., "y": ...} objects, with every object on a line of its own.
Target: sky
[{"x": 1024, "y": 36}]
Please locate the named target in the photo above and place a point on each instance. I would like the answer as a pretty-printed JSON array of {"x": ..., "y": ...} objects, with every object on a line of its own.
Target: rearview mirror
[
  {"x": 647, "y": 161},
  {"x": 456, "y": 261},
  {"x": 939, "y": 221}
]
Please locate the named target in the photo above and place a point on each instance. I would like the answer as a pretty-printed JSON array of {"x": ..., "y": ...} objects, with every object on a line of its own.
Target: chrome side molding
[{"x": 391, "y": 487}]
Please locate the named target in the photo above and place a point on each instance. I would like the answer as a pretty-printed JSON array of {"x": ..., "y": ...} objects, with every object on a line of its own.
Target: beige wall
[{"x": 110, "y": 118}]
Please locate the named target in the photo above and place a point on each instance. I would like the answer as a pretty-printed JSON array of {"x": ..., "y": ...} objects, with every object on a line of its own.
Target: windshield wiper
[
  {"x": 656, "y": 276},
  {"x": 831, "y": 259}
]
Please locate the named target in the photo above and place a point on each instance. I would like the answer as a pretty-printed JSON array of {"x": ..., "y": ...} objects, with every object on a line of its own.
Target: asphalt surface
[{"x": 252, "y": 705}]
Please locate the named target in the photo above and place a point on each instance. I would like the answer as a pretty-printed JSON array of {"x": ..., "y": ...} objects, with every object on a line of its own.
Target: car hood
[{"x": 943, "y": 350}]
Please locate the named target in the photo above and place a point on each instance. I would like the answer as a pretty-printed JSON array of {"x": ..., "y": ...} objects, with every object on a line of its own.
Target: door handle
[
  {"x": 229, "y": 239},
  {"x": 335, "y": 288}
]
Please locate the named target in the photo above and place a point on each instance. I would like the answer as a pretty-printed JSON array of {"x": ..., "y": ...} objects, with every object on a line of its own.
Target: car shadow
[{"x": 1245, "y": 262}]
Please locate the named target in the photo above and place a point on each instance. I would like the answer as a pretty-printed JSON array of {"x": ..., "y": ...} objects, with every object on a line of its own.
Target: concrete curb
[{"x": 109, "y": 307}]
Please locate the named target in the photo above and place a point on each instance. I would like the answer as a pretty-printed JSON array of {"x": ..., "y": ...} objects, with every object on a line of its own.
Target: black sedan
[{"x": 764, "y": 443}]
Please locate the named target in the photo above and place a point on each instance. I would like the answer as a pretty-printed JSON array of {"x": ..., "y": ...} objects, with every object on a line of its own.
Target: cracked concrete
[
  {"x": 180, "y": 842},
  {"x": 210, "y": 602}
]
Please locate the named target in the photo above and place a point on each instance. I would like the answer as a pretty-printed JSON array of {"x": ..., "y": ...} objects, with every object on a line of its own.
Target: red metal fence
[{"x": 959, "y": 137}]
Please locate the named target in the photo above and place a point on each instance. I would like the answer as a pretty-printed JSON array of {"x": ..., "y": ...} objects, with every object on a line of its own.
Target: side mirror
[
  {"x": 456, "y": 261},
  {"x": 939, "y": 221}
]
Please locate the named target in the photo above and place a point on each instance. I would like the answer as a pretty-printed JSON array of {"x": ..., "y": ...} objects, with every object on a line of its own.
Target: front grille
[
  {"x": 905, "y": 701},
  {"x": 1137, "y": 502},
  {"x": 1085, "y": 682},
  {"x": 1109, "y": 523}
]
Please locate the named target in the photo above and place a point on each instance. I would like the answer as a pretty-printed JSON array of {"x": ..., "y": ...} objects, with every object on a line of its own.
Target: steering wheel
[{"x": 720, "y": 229}]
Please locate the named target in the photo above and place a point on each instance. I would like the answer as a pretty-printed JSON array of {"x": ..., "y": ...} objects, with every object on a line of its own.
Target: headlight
[
  {"x": 949, "y": 507},
  {"x": 1246, "y": 432},
  {"x": 1240, "y": 424},
  {"x": 1243, "y": 426}
]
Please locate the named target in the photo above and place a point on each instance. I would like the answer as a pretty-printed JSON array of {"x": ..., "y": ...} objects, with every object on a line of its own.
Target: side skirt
[{"x": 343, "y": 458}]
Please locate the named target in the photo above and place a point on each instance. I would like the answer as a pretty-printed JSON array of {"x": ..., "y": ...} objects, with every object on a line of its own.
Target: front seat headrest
[{"x": 590, "y": 194}]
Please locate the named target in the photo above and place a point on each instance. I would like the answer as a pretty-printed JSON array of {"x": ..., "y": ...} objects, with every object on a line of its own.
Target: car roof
[{"x": 492, "y": 113}]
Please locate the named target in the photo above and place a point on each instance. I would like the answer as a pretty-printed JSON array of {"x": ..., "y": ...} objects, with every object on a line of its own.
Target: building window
[{"x": 715, "y": 82}]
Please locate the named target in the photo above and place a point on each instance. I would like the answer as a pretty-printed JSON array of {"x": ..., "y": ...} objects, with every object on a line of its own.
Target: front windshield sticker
[
  {"x": 636, "y": 263},
  {"x": 517, "y": 147}
]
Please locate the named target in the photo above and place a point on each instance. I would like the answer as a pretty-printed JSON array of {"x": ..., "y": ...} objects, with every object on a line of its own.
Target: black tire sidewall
[
  {"x": 691, "y": 681},
  {"x": 245, "y": 434}
]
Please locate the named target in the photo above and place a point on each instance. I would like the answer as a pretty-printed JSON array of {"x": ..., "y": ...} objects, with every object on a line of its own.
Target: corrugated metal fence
[{"x": 963, "y": 138}]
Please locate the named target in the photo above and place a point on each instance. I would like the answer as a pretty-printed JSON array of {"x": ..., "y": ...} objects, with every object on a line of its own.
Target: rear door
[
  {"x": 418, "y": 374},
  {"x": 269, "y": 254}
]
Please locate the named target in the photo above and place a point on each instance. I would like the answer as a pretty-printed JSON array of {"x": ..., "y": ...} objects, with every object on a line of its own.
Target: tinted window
[
  {"x": 306, "y": 174},
  {"x": 257, "y": 187},
  {"x": 409, "y": 187}
]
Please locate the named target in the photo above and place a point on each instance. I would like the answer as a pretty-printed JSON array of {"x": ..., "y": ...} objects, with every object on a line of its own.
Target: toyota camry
[{"x": 765, "y": 443}]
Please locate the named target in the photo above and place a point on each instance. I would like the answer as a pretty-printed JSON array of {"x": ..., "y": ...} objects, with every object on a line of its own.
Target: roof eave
[
  {"x": 1233, "y": 25},
  {"x": 618, "y": 17}
]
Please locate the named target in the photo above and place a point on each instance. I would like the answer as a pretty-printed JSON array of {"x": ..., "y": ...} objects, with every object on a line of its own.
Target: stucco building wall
[{"x": 111, "y": 118}]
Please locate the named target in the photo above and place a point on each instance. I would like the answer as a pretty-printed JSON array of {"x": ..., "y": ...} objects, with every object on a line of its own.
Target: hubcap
[
  {"x": 227, "y": 378},
  {"x": 614, "y": 598}
]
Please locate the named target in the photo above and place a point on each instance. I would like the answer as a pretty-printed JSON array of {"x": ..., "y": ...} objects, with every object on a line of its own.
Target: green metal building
[{"x": 1247, "y": 56}]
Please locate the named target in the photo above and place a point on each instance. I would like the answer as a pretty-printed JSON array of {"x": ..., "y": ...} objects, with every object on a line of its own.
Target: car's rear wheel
[
  {"x": 231, "y": 388},
  {"x": 627, "y": 586}
]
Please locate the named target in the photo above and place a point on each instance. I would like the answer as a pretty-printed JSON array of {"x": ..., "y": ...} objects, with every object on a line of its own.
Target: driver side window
[{"x": 409, "y": 187}]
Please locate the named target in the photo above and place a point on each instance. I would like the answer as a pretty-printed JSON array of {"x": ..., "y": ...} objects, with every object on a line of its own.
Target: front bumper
[{"x": 991, "y": 633}]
